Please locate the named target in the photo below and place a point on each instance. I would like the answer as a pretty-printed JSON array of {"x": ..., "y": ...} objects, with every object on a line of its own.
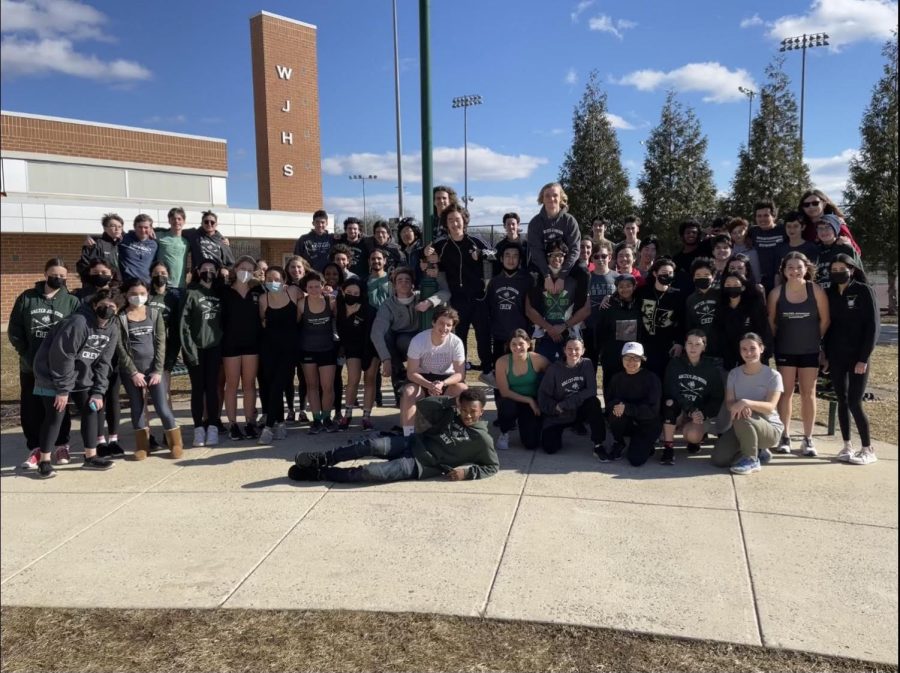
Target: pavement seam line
[
  {"x": 512, "y": 521},
  {"x": 272, "y": 549},
  {"x": 757, "y": 616}
]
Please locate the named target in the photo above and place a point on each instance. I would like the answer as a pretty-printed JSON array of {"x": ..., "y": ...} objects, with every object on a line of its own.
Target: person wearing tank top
[
  {"x": 294, "y": 269},
  {"x": 319, "y": 354},
  {"x": 518, "y": 379},
  {"x": 278, "y": 313},
  {"x": 799, "y": 317}
]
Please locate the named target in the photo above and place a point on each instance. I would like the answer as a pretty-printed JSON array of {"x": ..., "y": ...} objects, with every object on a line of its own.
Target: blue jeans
[{"x": 398, "y": 465}]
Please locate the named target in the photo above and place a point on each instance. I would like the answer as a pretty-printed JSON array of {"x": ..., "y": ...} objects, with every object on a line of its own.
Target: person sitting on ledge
[{"x": 454, "y": 442}]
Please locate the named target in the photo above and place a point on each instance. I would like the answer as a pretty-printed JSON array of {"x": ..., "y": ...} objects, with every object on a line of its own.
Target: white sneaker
[
  {"x": 807, "y": 449},
  {"x": 502, "y": 443},
  {"x": 199, "y": 437},
  {"x": 784, "y": 445},
  {"x": 488, "y": 379},
  {"x": 280, "y": 431},
  {"x": 266, "y": 436},
  {"x": 212, "y": 435},
  {"x": 864, "y": 456},
  {"x": 846, "y": 453}
]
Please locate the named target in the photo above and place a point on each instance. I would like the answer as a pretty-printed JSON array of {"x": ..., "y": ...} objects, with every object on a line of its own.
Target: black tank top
[
  {"x": 798, "y": 324},
  {"x": 281, "y": 323},
  {"x": 316, "y": 329}
]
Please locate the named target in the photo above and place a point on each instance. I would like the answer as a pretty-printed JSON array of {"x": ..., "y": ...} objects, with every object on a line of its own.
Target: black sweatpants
[
  {"x": 590, "y": 411},
  {"x": 473, "y": 313},
  {"x": 643, "y": 436},
  {"x": 278, "y": 373},
  {"x": 31, "y": 415},
  {"x": 509, "y": 412},
  {"x": 53, "y": 420},
  {"x": 205, "y": 386},
  {"x": 849, "y": 389}
]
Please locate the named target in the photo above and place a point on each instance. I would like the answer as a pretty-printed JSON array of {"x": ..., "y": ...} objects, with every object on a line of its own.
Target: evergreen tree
[
  {"x": 871, "y": 193},
  {"x": 677, "y": 182},
  {"x": 772, "y": 166},
  {"x": 592, "y": 174}
]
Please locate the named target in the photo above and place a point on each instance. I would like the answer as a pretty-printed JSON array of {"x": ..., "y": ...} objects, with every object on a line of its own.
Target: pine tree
[
  {"x": 592, "y": 174},
  {"x": 772, "y": 166},
  {"x": 871, "y": 193},
  {"x": 677, "y": 182}
]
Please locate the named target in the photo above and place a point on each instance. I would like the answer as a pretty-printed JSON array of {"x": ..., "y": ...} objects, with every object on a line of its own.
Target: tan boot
[
  {"x": 173, "y": 439},
  {"x": 141, "y": 443}
]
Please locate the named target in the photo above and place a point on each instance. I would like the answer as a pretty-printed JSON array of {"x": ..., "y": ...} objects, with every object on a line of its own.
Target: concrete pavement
[{"x": 802, "y": 555}]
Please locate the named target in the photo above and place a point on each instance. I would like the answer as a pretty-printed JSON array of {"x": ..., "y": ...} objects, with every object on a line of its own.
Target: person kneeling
[
  {"x": 455, "y": 443},
  {"x": 633, "y": 408}
]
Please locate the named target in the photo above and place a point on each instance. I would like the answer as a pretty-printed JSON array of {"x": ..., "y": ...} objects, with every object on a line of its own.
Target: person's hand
[
  {"x": 535, "y": 409},
  {"x": 845, "y": 240},
  {"x": 152, "y": 233},
  {"x": 619, "y": 410},
  {"x": 555, "y": 332},
  {"x": 824, "y": 364},
  {"x": 89, "y": 242},
  {"x": 423, "y": 306},
  {"x": 98, "y": 402},
  {"x": 138, "y": 380},
  {"x": 606, "y": 301},
  {"x": 676, "y": 350},
  {"x": 225, "y": 241},
  {"x": 549, "y": 284},
  {"x": 60, "y": 402},
  {"x": 860, "y": 368},
  {"x": 328, "y": 290},
  {"x": 558, "y": 409},
  {"x": 697, "y": 417},
  {"x": 154, "y": 379},
  {"x": 386, "y": 368},
  {"x": 738, "y": 410},
  {"x": 457, "y": 474},
  {"x": 438, "y": 387},
  {"x": 428, "y": 251}
]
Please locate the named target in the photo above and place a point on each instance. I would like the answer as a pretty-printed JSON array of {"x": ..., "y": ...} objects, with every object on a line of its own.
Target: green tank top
[{"x": 527, "y": 383}]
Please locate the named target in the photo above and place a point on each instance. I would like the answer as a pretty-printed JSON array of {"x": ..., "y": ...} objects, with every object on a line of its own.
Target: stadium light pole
[
  {"x": 465, "y": 102},
  {"x": 397, "y": 115},
  {"x": 749, "y": 93},
  {"x": 364, "y": 178},
  {"x": 803, "y": 42}
]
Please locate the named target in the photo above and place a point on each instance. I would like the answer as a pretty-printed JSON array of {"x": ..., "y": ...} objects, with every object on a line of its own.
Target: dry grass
[{"x": 37, "y": 639}]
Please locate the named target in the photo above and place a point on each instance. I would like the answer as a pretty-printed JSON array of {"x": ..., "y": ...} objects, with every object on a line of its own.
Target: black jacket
[
  {"x": 855, "y": 323},
  {"x": 104, "y": 248},
  {"x": 464, "y": 270}
]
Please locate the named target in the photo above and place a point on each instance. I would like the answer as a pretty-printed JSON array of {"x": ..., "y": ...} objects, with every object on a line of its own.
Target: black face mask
[
  {"x": 702, "y": 283},
  {"x": 664, "y": 280},
  {"x": 207, "y": 276},
  {"x": 351, "y": 300},
  {"x": 732, "y": 292},
  {"x": 55, "y": 282},
  {"x": 100, "y": 281},
  {"x": 840, "y": 277},
  {"x": 160, "y": 281},
  {"x": 105, "y": 311}
]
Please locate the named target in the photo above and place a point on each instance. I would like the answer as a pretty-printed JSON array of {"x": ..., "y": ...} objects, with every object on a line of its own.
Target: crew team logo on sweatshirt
[
  {"x": 508, "y": 298},
  {"x": 42, "y": 320},
  {"x": 209, "y": 306},
  {"x": 655, "y": 317},
  {"x": 94, "y": 346}
]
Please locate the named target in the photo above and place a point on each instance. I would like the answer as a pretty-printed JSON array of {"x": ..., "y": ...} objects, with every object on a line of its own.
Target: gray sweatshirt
[
  {"x": 397, "y": 317},
  {"x": 542, "y": 231},
  {"x": 566, "y": 387}
]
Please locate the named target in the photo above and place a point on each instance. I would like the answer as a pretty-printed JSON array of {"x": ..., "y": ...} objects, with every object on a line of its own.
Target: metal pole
[
  {"x": 749, "y": 121},
  {"x": 364, "y": 203},
  {"x": 466, "y": 156},
  {"x": 802, "y": 95},
  {"x": 397, "y": 115},
  {"x": 429, "y": 285}
]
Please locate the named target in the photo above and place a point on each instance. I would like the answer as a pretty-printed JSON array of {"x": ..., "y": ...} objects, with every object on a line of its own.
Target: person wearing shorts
[
  {"x": 319, "y": 354},
  {"x": 354, "y": 328}
]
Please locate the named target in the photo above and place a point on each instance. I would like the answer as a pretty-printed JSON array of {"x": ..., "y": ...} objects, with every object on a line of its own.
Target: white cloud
[
  {"x": 571, "y": 76},
  {"x": 830, "y": 173},
  {"x": 579, "y": 8},
  {"x": 606, "y": 24},
  {"x": 752, "y": 21},
  {"x": 715, "y": 80},
  {"x": 845, "y": 21},
  {"x": 620, "y": 123},
  {"x": 174, "y": 119},
  {"x": 38, "y": 37},
  {"x": 484, "y": 164}
]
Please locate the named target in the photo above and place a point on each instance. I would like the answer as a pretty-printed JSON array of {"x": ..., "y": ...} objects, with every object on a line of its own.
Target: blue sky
[{"x": 185, "y": 66}]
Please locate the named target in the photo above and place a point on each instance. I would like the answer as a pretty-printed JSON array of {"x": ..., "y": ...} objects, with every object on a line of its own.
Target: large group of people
[{"x": 684, "y": 341}]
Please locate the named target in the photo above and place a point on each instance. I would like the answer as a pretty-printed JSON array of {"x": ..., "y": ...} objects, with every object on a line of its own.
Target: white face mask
[
  {"x": 243, "y": 276},
  {"x": 137, "y": 299}
]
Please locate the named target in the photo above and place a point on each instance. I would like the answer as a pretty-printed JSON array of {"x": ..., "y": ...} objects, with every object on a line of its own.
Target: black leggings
[
  {"x": 511, "y": 411},
  {"x": 205, "y": 386},
  {"x": 301, "y": 385},
  {"x": 590, "y": 411},
  {"x": 111, "y": 405},
  {"x": 643, "y": 436},
  {"x": 53, "y": 420},
  {"x": 31, "y": 414},
  {"x": 278, "y": 373},
  {"x": 849, "y": 389}
]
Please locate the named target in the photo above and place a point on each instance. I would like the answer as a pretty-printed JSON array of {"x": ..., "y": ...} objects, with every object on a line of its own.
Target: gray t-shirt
[
  {"x": 756, "y": 388},
  {"x": 140, "y": 341}
]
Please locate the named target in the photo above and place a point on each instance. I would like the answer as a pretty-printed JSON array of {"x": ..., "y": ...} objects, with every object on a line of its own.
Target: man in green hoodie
[
  {"x": 34, "y": 314},
  {"x": 454, "y": 443}
]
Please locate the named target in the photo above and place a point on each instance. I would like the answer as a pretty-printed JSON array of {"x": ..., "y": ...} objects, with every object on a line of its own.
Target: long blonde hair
[{"x": 563, "y": 198}]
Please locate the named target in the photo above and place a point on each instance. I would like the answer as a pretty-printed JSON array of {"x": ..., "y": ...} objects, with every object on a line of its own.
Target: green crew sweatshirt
[
  {"x": 33, "y": 316},
  {"x": 695, "y": 387},
  {"x": 201, "y": 322},
  {"x": 447, "y": 443}
]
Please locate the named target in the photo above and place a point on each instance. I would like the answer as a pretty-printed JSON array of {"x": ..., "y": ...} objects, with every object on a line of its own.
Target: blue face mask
[{"x": 274, "y": 285}]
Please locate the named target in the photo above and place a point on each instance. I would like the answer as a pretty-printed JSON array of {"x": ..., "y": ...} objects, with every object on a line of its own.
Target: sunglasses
[
  {"x": 600, "y": 257},
  {"x": 811, "y": 204},
  {"x": 209, "y": 222}
]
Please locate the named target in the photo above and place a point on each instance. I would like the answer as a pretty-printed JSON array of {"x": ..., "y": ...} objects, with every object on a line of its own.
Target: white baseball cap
[{"x": 633, "y": 348}]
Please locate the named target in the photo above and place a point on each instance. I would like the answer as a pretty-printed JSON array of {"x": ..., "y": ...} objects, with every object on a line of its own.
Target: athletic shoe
[
  {"x": 61, "y": 455},
  {"x": 212, "y": 435},
  {"x": 865, "y": 456},
  {"x": 266, "y": 436},
  {"x": 765, "y": 456},
  {"x": 315, "y": 427},
  {"x": 502, "y": 443},
  {"x": 807, "y": 449},
  {"x": 668, "y": 456},
  {"x": 846, "y": 453},
  {"x": 330, "y": 425},
  {"x": 250, "y": 431},
  {"x": 745, "y": 466},
  {"x": 302, "y": 417},
  {"x": 102, "y": 449},
  {"x": 291, "y": 416},
  {"x": 235, "y": 433},
  {"x": 367, "y": 424},
  {"x": 468, "y": 366},
  {"x": 303, "y": 473},
  {"x": 617, "y": 451},
  {"x": 488, "y": 379},
  {"x": 693, "y": 448},
  {"x": 261, "y": 421},
  {"x": 199, "y": 436},
  {"x": 784, "y": 445},
  {"x": 45, "y": 470},
  {"x": 344, "y": 423},
  {"x": 96, "y": 463},
  {"x": 115, "y": 451},
  {"x": 310, "y": 459},
  {"x": 600, "y": 453},
  {"x": 32, "y": 461},
  {"x": 280, "y": 431}
]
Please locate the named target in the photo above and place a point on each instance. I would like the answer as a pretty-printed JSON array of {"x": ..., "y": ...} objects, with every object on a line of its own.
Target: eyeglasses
[
  {"x": 811, "y": 204},
  {"x": 556, "y": 256}
]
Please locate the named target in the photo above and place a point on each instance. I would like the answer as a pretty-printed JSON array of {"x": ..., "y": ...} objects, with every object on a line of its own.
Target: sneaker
[
  {"x": 296, "y": 473},
  {"x": 807, "y": 448},
  {"x": 115, "y": 451},
  {"x": 617, "y": 451},
  {"x": 784, "y": 445},
  {"x": 310, "y": 459},
  {"x": 45, "y": 470},
  {"x": 96, "y": 463},
  {"x": 579, "y": 429},
  {"x": 250, "y": 431},
  {"x": 32, "y": 461},
  {"x": 330, "y": 425},
  {"x": 266, "y": 436},
  {"x": 102, "y": 449},
  {"x": 367, "y": 424},
  {"x": 344, "y": 423},
  {"x": 846, "y": 453},
  {"x": 61, "y": 455},
  {"x": 302, "y": 417},
  {"x": 199, "y": 436},
  {"x": 765, "y": 456},
  {"x": 668, "y": 456},
  {"x": 261, "y": 420},
  {"x": 693, "y": 448},
  {"x": 235, "y": 433},
  {"x": 290, "y": 417},
  {"x": 212, "y": 435},
  {"x": 468, "y": 366},
  {"x": 315, "y": 428},
  {"x": 502, "y": 443},
  {"x": 488, "y": 379},
  {"x": 280, "y": 431},
  {"x": 600, "y": 453},
  {"x": 865, "y": 456},
  {"x": 745, "y": 466}
]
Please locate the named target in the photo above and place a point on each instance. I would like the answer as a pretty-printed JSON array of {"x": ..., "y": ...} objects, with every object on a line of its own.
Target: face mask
[
  {"x": 55, "y": 282},
  {"x": 840, "y": 277},
  {"x": 702, "y": 283},
  {"x": 664, "y": 280},
  {"x": 207, "y": 276},
  {"x": 100, "y": 281},
  {"x": 732, "y": 292},
  {"x": 160, "y": 281},
  {"x": 243, "y": 276},
  {"x": 137, "y": 299},
  {"x": 406, "y": 301},
  {"x": 274, "y": 285},
  {"x": 351, "y": 300},
  {"x": 105, "y": 311}
]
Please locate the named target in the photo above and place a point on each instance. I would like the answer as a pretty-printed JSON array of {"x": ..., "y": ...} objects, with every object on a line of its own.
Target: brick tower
[{"x": 286, "y": 107}]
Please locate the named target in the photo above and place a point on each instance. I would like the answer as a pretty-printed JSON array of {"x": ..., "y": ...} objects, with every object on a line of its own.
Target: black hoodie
[
  {"x": 506, "y": 303},
  {"x": 463, "y": 265},
  {"x": 105, "y": 248}
]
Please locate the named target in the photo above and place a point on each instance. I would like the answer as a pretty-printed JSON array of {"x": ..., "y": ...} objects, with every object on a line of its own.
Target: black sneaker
[
  {"x": 617, "y": 451},
  {"x": 330, "y": 425},
  {"x": 601, "y": 454},
  {"x": 96, "y": 463},
  {"x": 103, "y": 449},
  {"x": 45, "y": 470},
  {"x": 297, "y": 473},
  {"x": 315, "y": 427},
  {"x": 693, "y": 448},
  {"x": 115, "y": 451},
  {"x": 305, "y": 459},
  {"x": 250, "y": 431},
  {"x": 668, "y": 456},
  {"x": 235, "y": 433}
]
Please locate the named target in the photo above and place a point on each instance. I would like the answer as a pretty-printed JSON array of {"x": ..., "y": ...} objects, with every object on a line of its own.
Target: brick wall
[
  {"x": 274, "y": 251},
  {"x": 276, "y": 42},
  {"x": 45, "y": 136}
]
